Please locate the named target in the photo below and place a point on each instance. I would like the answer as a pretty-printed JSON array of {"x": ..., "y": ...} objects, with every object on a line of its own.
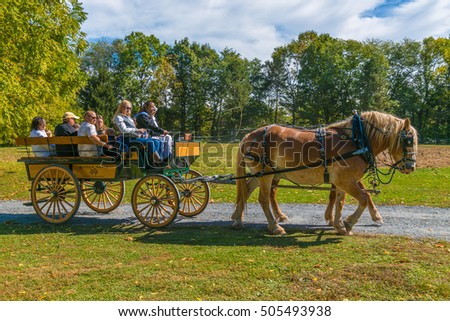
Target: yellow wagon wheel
[
  {"x": 102, "y": 197},
  {"x": 155, "y": 200},
  {"x": 55, "y": 194},
  {"x": 194, "y": 197}
]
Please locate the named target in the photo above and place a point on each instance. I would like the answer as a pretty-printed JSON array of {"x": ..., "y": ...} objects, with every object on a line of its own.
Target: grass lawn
[
  {"x": 46, "y": 262},
  {"x": 43, "y": 262}
]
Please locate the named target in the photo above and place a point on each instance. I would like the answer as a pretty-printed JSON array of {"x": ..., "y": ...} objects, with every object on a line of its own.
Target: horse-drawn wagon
[
  {"x": 58, "y": 183},
  {"x": 341, "y": 154}
]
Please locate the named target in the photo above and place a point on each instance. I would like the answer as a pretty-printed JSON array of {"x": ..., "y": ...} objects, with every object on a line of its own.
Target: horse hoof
[
  {"x": 238, "y": 225},
  {"x": 348, "y": 227},
  {"x": 379, "y": 221},
  {"x": 277, "y": 231},
  {"x": 342, "y": 231}
]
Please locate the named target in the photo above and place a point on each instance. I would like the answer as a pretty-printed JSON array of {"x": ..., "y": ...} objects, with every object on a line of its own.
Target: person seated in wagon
[
  {"x": 129, "y": 133},
  {"x": 69, "y": 127},
  {"x": 146, "y": 119},
  {"x": 38, "y": 129},
  {"x": 89, "y": 129}
]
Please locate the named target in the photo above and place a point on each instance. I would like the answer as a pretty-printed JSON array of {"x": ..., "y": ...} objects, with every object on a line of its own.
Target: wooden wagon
[{"x": 58, "y": 183}]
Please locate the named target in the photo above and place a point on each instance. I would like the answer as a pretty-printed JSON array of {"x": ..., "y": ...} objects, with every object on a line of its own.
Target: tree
[
  {"x": 327, "y": 78},
  {"x": 419, "y": 83},
  {"x": 236, "y": 81},
  {"x": 161, "y": 92},
  {"x": 139, "y": 57},
  {"x": 41, "y": 43},
  {"x": 100, "y": 93},
  {"x": 192, "y": 64}
]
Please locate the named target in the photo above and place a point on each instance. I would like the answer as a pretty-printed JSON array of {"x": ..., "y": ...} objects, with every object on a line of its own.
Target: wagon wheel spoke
[
  {"x": 103, "y": 197},
  {"x": 55, "y": 194},
  {"x": 194, "y": 196},
  {"x": 155, "y": 201}
]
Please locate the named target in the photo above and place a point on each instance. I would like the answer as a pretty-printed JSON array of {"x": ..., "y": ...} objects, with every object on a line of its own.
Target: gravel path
[{"x": 413, "y": 221}]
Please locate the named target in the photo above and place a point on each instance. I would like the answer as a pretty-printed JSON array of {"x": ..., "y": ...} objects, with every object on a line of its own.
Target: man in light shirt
[{"x": 88, "y": 128}]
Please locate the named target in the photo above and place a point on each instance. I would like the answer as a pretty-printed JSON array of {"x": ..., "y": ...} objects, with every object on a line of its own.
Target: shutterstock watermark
[{"x": 285, "y": 154}]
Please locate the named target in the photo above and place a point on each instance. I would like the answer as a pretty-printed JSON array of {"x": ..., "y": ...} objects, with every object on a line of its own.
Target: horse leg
[
  {"x": 265, "y": 186},
  {"x": 374, "y": 214},
  {"x": 249, "y": 186},
  {"x": 354, "y": 189},
  {"x": 279, "y": 215},
  {"x": 339, "y": 203},
  {"x": 329, "y": 215}
]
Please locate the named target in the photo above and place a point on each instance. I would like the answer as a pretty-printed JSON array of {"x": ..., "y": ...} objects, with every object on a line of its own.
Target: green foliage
[
  {"x": 313, "y": 80},
  {"x": 100, "y": 93},
  {"x": 40, "y": 44},
  {"x": 46, "y": 69},
  {"x": 420, "y": 84}
]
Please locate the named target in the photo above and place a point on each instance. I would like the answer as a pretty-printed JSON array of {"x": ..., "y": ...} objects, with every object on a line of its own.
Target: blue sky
[
  {"x": 385, "y": 8},
  {"x": 254, "y": 28}
]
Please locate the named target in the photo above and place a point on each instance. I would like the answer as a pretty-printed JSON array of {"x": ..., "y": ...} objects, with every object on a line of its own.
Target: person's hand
[
  {"x": 142, "y": 130},
  {"x": 107, "y": 146},
  {"x": 49, "y": 133}
]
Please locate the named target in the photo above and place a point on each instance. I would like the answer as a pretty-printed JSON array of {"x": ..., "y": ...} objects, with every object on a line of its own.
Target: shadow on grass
[
  {"x": 218, "y": 233},
  {"x": 253, "y": 235}
]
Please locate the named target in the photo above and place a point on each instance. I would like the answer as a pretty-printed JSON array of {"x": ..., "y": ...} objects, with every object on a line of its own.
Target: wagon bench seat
[
  {"x": 60, "y": 140},
  {"x": 94, "y": 167}
]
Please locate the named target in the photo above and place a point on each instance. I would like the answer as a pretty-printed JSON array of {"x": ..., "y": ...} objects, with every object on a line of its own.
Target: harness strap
[
  {"x": 360, "y": 139},
  {"x": 264, "y": 158},
  {"x": 320, "y": 135},
  {"x": 287, "y": 170}
]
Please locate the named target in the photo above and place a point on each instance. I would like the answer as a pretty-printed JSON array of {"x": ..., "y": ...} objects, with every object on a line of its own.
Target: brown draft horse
[{"x": 275, "y": 152}]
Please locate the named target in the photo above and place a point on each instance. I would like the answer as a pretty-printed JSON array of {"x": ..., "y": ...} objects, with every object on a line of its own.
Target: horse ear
[{"x": 407, "y": 124}]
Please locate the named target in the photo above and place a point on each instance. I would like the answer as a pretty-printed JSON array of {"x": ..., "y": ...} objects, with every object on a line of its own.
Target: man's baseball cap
[{"x": 68, "y": 115}]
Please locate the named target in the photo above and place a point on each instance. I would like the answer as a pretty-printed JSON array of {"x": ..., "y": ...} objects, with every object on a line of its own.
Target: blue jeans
[{"x": 145, "y": 155}]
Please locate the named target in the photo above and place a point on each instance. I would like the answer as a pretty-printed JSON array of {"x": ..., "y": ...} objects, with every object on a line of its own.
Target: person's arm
[
  {"x": 122, "y": 127},
  {"x": 147, "y": 122},
  {"x": 95, "y": 139}
]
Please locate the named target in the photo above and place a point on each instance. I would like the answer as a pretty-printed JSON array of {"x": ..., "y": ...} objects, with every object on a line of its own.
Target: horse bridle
[
  {"x": 408, "y": 161},
  {"x": 407, "y": 141}
]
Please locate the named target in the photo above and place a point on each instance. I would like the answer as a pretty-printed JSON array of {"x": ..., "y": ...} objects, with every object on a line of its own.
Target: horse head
[{"x": 405, "y": 152}]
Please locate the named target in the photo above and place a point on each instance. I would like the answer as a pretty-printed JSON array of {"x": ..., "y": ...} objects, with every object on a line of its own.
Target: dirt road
[{"x": 412, "y": 221}]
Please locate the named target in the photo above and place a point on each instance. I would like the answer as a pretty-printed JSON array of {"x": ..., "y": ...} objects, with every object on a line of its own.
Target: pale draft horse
[
  {"x": 329, "y": 211},
  {"x": 276, "y": 148}
]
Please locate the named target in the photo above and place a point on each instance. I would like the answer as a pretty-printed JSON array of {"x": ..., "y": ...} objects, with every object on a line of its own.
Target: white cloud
[{"x": 255, "y": 28}]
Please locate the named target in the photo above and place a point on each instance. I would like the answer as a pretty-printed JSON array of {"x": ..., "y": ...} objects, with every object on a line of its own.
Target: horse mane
[{"x": 382, "y": 129}]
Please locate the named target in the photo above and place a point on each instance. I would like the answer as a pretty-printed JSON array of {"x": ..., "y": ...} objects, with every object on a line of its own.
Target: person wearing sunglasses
[
  {"x": 129, "y": 134},
  {"x": 88, "y": 128}
]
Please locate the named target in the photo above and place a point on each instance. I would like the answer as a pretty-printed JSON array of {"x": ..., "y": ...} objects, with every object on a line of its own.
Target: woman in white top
[
  {"x": 129, "y": 133},
  {"x": 38, "y": 130}
]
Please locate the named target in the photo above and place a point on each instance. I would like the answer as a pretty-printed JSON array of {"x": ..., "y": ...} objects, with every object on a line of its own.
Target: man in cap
[{"x": 67, "y": 128}]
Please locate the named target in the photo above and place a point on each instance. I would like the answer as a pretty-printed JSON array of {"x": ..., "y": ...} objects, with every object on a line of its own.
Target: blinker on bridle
[{"x": 407, "y": 140}]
